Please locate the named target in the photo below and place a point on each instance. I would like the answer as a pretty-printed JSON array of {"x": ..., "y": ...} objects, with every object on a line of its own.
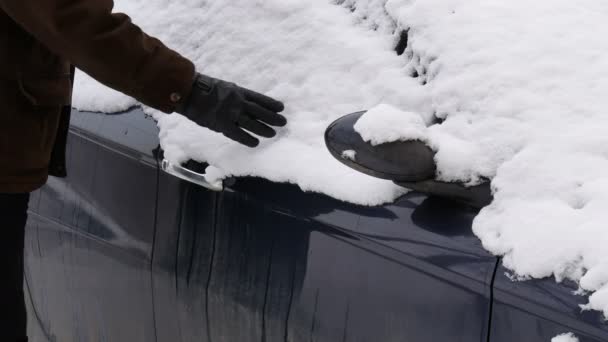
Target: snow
[
  {"x": 350, "y": 155},
  {"x": 512, "y": 91},
  {"x": 384, "y": 124},
  {"x": 350, "y": 69},
  {"x": 568, "y": 337}
]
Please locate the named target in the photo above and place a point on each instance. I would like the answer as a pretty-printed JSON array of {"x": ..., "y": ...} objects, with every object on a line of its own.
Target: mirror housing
[
  {"x": 408, "y": 161},
  {"x": 410, "y": 164}
]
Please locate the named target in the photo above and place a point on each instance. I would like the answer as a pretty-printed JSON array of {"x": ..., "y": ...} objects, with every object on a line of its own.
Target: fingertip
[
  {"x": 281, "y": 121},
  {"x": 271, "y": 133},
  {"x": 253, "y": 144},
  {"x": 250, "y": 140}
]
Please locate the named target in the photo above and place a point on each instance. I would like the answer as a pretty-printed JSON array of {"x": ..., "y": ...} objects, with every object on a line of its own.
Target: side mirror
[
  {"x": 410, "y": 164},
  {"x": 409, "y": 161}
]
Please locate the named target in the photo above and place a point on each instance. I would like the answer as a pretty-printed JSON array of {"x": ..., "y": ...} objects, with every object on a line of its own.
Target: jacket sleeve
[{"x": 107, "y": 46}]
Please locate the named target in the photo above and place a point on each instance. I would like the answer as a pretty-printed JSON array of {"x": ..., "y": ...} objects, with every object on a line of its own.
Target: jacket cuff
[{"x": 165, "y": 80}]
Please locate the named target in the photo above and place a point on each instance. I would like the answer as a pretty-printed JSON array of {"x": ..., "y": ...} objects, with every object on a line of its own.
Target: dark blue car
[{"x": 128, "y": 249}]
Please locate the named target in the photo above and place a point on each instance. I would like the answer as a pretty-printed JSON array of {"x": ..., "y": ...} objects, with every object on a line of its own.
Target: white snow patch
[
  {"x": 568, "y": 337},
  {"x": 520, "y": 86},
  {"x": 349, "y": 154},
  {"x": 313, "y": 55},
  {"x": 90, "y": 95},
  {"x": 385, "y": 124}
]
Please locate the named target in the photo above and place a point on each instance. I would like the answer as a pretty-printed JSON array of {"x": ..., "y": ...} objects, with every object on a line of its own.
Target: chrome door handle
[{"x": 190, "y": 176}]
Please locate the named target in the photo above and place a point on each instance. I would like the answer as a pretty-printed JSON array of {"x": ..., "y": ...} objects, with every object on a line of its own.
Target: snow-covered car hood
[{"x": 514, "y": 91}]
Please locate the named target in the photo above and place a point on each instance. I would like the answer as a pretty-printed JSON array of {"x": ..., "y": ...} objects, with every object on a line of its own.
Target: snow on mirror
[
  {"x": 385, "y": 124},
  {"x": 516, "y": 96}
]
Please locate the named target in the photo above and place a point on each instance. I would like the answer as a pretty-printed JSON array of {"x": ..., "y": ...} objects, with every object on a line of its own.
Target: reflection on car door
[
  {"x": 540, "y": 309},
  {"x": 267, "y": 262},
  {"x": 89, "y": 237}
]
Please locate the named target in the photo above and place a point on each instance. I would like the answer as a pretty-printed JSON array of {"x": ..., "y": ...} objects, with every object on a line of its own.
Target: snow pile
[
  {"x": 568, "y": 337},
  {"x": 523, "y": 98},
  {"x": 384, "y": 124},
  {"x": 314, "y": 55},
  {"x": 523, "y": 95},
  {"x": 516, "y": 89}
]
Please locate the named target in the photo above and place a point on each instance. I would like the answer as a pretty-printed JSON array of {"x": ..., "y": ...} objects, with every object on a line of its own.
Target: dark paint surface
[
  {"x": 276, "y": 264},
  {"x": 539, "y": 309},
  {"x": 119, "y": 251},
  {"x": 89, "y": 236}
]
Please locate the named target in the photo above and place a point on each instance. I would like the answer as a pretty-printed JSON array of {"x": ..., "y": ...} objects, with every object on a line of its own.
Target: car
[{"x": 131, "y": 248}]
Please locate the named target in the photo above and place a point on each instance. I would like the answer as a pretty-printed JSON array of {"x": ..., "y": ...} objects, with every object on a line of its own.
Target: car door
[
  {"x": 89, "y": 236},
  {"x": 540, "y": 309},
  {"x": 261, "y": 261}
]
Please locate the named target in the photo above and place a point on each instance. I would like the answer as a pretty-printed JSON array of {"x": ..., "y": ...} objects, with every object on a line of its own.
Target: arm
[
  {"x": 107, "y": 46},
  {"x": 110, "y": 48}
]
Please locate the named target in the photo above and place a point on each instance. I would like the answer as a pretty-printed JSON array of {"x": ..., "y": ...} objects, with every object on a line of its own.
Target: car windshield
[{"x": 512, "y": 91}]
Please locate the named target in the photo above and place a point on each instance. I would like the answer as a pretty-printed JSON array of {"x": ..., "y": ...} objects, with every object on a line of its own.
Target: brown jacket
[{"x": 39, "y": 41}]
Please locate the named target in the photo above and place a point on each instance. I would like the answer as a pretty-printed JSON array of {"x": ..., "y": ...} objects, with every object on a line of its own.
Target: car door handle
[{"x": 190, "y": 176}]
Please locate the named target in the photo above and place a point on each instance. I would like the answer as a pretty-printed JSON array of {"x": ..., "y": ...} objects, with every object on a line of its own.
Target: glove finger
[
  {"x": 256, "y": 127},
  {"x": 265, "y": 115},
  {"x": 265, "y": 101},
  {"x": 242, "y": 137}
]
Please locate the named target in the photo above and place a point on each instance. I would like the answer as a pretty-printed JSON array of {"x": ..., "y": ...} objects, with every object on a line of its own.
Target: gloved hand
[{"x": 229, "y": 109}]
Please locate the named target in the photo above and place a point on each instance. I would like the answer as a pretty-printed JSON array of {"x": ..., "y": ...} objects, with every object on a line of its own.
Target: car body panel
[
  {"x": 89, "y": 237},
  {"x": 275, "y": 263},
  {"x": 539, "y": 309},
  {"x": 120, "y": 251}
]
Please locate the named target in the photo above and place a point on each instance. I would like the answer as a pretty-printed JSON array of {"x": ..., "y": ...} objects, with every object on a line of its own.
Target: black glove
[{"x": 229, "y": 109}]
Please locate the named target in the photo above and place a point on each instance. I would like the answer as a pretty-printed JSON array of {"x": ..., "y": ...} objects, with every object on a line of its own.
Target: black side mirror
[
  {"x": 407, "y": 163},
  {"x": 397, "y": 161}
]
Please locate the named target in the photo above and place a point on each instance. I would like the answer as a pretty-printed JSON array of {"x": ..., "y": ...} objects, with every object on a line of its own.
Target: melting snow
[{"x": 519, "y": 89}]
